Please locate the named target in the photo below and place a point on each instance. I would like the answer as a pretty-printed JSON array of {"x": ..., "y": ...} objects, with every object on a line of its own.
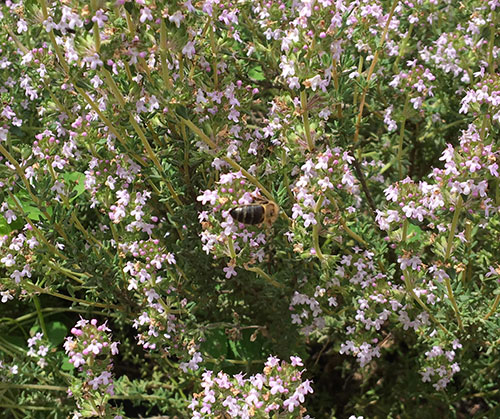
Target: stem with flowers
[
  {"x": 343, "y": 223},
  {"x": 402, "y": 136},
  {"x": 317, "y": 247},
  {"x": 371, "y": 70},
  {"x": 230, "y": 161},
  {"x": 451, "y": 236},
  {"x": 305, "y": 120},
  {"x": 411, "y": 291}
]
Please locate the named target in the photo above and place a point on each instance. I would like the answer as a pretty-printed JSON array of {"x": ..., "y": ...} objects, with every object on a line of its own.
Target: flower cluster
[
  {"x": 109, "y": 185},
  {"x": 441, "y": 368},
  {"x": 326, "y": 192},
  {"x": 90, "y": 350},
  {"x": 467, "y": 170},
  {"x": 417, "y": 81},
  {"x": 18, "y": 254},
  {"x": 484, "y": 97},
  {"x": 369, "y": 302},
  {"x": 278, "y": 390},
  {"x": 38, "y": 349},
  {"x": 224, "y": 236},
  {"x": 324, "y": 175},
  {"x": 151, "y": 274}
]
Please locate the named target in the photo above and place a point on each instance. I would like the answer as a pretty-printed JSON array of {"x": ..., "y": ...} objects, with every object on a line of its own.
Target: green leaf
[
  {"x": 216, "y": 344},
  {"x": 249, "y": 347},
  {"x": 129, "y": 7},
  {"x": 415, "y": 233},
  {"x": 256, "y": 73},
  {"x": 25, "y": 201},
  {"x": 235, "y": 348},
  {"x": 56, "y": 331},
  {"x": 78, "y": 179},
  {"x": 66, "y": 365},
  {"x": 4, "y": 227}
]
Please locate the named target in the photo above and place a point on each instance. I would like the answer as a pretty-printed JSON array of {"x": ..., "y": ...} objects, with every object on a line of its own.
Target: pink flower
[
  {"x": 208, "y": 196},
  {"x": 189, "y": 50},
  {"x": 230, "y": 271}
]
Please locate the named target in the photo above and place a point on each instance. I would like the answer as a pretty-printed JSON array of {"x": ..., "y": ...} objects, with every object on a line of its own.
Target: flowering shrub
[
  {"x": 278, "y": 389},
  {"x": 225, "y": 183},
  {"x": 90, "y": 353}
]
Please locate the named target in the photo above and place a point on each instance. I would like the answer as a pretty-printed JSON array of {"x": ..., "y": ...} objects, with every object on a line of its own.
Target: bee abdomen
[{"x": 248, "y": 214}]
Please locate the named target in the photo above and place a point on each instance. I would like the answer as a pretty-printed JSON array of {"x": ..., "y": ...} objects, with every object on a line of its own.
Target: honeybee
[{"x": 262, "y": 212}]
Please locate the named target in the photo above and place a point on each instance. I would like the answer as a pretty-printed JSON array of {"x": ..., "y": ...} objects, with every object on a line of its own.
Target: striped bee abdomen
[{"x": 248, "y": 214}]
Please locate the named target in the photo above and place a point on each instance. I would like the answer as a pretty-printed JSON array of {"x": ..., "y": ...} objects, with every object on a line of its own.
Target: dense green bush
[{"x": 138, "y": 137}]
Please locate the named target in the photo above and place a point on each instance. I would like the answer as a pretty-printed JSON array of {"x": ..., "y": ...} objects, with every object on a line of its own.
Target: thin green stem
[
  {"x": 41, "y": 320},
  {"x": 230, "y": 246},
  {"x": 451, "y": 236},
  {"x": 401, "y": 138},
  {"x": 146, "y": 144},
  {"x": 113, "y": 87},
  {"x": 453, "y": 302},
  {"x": 120, "y": 260},
  {"x": 259, "y": 271},
  {"x": 213, "y": 45},
  {"x": 165, "y": 73},
  {"x": 95, "y": 28},
  {"x": 371, "y": 71},
  {"x": 395, "y": 67},
  {"x": 466, "y": 277},
  {"x": 335, "y": 78},
  {"x": 130, "y": 24},
  {"x": 351, "y": 233},
  {"x": 405, "y": 230},
  {"x": 187, "y": 177},
  {"x": 411, "y": 291},
  {"x": 33, "y": 387},
  {"x": 497, "y": 192},
  {"x": 316, "y": 226},
  {"x": 493, "y": 307},
  {"x": 305, "y": 120},
  {"x": 491, "y": 42},
  {"x": 24, "y": 407},
  {"x": 32, "y": 287},
  {"x": 75, "y": 276}
]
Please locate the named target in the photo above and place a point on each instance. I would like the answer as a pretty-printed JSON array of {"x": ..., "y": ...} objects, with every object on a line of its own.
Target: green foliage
[{"x": 128, "y": 134}]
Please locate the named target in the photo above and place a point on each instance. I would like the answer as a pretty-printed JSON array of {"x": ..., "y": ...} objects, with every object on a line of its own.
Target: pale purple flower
[
  {"x": 189, "y": 50},
  {"x": 208, "y": 196},
  {"x": 309, "y": 219},
  {"x": 291, "y": 403},
  {"x": 230, "y": 271},
  {"x": 146, "y": 14},
  {"x": 100, "y": 18},
  {"x": 177, "y": 18}
]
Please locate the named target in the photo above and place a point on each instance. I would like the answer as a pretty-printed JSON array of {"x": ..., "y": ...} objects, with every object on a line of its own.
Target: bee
[{"x": 262, "y": 212}]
